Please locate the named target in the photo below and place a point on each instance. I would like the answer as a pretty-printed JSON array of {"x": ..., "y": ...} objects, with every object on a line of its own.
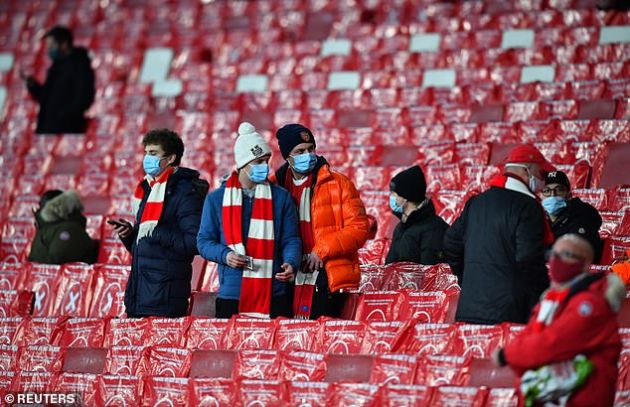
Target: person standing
[
  {"x": 569, "y": 214},
  {"x": 419, "y": 235},
  {"x": 249, "y": 228},
  {"x": 333, "y": 225},
  {"x": 69, "y": 88},
  {"x": 162, "y": 242},
  {"x": 496, "y": 247}
]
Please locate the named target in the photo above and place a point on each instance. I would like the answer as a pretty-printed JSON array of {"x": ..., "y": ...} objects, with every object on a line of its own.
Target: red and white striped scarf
[
  {"x": 549, "y": 307},
  {"x": 304, "y": 281},
  {"x": 256, "y": 285},
  {"x": 155, "y": 202}
]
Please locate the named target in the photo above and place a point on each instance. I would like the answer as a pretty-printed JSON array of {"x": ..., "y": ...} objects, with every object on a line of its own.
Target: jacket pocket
[{"x": 153, "y": 290}]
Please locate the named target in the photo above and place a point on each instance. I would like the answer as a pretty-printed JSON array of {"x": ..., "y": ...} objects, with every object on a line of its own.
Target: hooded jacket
[
  {"x": 66, "y": 94},
  {"x": 61, "y": 236},
  {"x": 582, "y": 219},
  {"x": 419, "y": 239},
  {"x": 161, "y": 267},
  {"x": 496, "y": 248},
  {"x": 585, "y": 324},
  {"x": 340, "y": 224}
]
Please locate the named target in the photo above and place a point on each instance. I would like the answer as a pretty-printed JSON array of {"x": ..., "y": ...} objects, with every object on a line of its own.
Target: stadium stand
[{"x": 383, "y": 84}]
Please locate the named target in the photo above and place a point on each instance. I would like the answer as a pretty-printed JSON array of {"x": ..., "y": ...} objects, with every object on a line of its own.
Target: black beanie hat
[
  {"x": 410, "y": 184},
  {"x": 558, "y": 177},
  {"x": 291, "y": 135}
]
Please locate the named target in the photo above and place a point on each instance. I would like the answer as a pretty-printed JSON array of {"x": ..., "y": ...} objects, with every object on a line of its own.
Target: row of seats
[
  {"x": 130, "y": 390},
  {"x": 327, "y": 336}
]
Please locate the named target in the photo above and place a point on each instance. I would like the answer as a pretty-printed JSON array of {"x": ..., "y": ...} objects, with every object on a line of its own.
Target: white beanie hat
[{"x": 249, "y": 145}]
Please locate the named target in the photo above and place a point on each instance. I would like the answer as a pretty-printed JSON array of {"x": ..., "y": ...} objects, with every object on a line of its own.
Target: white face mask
[{"x": 535, "y": 184}]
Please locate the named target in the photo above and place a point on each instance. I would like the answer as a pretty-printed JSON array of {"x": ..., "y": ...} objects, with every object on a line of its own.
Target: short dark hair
[
  {"x": 170, "y": 142},
  {"x": 60, "y": 34}
]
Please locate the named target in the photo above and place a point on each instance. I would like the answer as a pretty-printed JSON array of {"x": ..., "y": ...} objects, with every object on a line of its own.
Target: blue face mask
[
  {"x": 394, "y": 205},
  {"x": 53, "y": 53},
  {"x": 258, "y": 173},
  {"x": 554, "y": 204},
  {"x": 151, "y": 165},
  {"x": 304, "y": 163}
]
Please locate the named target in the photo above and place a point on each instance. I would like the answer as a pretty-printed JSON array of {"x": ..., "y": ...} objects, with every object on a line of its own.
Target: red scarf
[
  {"x": 256, "y": 284},
  {"x": 155, "y": 202},
  {"x": 549, "y": 307},
  {"x": 304, "y": 281},
  {"x": 513, "y": 183}
]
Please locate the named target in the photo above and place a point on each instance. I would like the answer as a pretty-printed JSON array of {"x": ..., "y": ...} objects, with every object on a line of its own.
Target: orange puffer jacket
[{"x": 340, "y": 227}]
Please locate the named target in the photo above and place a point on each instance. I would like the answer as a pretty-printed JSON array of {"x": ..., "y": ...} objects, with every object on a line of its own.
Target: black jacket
[
  {"x": 161, "y": 267},
  {"x": 496, "y": 248},
  {"x": 580, "y": 218},
  {"x": 419, "y": 239},
  {"x": 65, "y": 96}
]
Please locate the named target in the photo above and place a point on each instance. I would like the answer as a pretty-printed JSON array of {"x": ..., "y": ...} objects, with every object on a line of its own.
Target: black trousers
[
  {"x": 281, "y": 306},
  {"x": 327, "y": 304}
]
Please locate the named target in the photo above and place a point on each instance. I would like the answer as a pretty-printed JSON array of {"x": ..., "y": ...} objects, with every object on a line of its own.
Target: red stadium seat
[
  {"x": 168, "y": 362},
  {"x": 442, "y": 370},
  {"x": 256, "y": 364},
  {"x": 109, "y": 291},
  {"x": 310, "y": 393},
  {"x": 430, "y": 339},
  {"x": 125, "y": 390},
  {"x": 394, "y": 369},
  {"x": 81, "y": 384},
  {"x": 477, "y": 341},
  {"x": 126, "y": 332},
  {"x": 41, "y": 358},
  {"x": 348, "y": 368},
  {"x": 342, "y": 337},
  {"x": 296, "y": 335},
  {"x": 127, "y": 360},
  {"x": 175, "y": 391},
  {"x": 250, "y": 333},
  {"x": 83, "y": 333},
  {"x": 9, "y": 356},
  {"x": 384, "y": 337},
  {"x": 15, "y": 303},
  {"x": 449, "y": 396},
  {"x": 379, "y": 306},
  {"x": 85, "y": 360}
]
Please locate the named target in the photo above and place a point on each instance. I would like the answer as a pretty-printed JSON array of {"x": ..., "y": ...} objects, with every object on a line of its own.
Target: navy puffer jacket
[{"x": 161, "y": 268}]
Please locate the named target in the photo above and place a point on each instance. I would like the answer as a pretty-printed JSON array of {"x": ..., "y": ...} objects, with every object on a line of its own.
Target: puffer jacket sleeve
[
  {"x": 290, "y": 239},
  {"x": 182, "y": 237},
  {"x": 209, "y": 237},
  {"x": 355, "y": 230}
]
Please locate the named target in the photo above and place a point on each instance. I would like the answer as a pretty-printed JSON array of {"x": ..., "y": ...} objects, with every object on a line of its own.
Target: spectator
[
  {"x": 61, "y": 236},
  {"x": 333, "y": 225},
  {"x": 568, "y": 214},
  {"x": 419, "y": 235},
  {"x": 621, "y": 266},
  {"x": 496, "y": 247},
  {"x": 250, "y": 228},
  {"x": 576, "y": 316},
  {"x": 168, "y": 203},
  {"x": 69, "y": 87}
]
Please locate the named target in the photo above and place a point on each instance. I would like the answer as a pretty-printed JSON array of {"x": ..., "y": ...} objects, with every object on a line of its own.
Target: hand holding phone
[{"x": 121, "y": 226}]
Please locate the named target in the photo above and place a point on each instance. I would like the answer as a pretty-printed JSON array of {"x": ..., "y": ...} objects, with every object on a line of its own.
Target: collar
[{"x": 513, "y": 183}]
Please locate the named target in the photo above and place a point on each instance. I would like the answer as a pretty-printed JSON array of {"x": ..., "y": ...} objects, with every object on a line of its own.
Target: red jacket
[{"x": 587, "y": 325}]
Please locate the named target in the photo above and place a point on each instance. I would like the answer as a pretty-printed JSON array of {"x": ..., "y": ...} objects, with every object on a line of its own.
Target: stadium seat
[
  {"x": 84, "y": 360},
  {"x": 212, "y": 364}
]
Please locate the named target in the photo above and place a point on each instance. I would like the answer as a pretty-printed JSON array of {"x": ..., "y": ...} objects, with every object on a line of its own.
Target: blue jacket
[
  {"x": 212, "y": 246},
  {"x": 161, "y": 268}
]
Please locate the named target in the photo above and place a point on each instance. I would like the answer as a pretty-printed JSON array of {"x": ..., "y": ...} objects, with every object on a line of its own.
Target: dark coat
[
  {"x": 496, "y": 248},
  {"x": 161, "y": 268},
  {"x": 61, "y": 237},
  {"x": 419, "y": 239},
  {"x": 65, "y": 95},
  {"x": 582, "y": 219}
]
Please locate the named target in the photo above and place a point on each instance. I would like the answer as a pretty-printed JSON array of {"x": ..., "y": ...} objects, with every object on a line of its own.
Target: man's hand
[
  {"x": 314, "y": 263},
  {"x": 235, "y": 260},
  {"x": 122, "y": 227},
  {"x": 286, "y": 274}
]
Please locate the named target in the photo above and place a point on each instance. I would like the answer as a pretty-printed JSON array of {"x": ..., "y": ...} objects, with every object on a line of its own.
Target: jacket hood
[
  {"x": 192, "y": 176},
  {"x": 61, "y": 207}
]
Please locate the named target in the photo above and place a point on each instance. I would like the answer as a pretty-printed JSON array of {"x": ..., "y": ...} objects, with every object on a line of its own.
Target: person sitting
[
  {"x": 419, "y": 235},
  {"x": 568, "y": 214},
  {"x": 60, "y": 236},
  {"x": 573, "y": 328}
]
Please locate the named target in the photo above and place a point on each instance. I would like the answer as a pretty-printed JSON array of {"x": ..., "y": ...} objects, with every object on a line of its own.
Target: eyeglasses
[
  {"x": 567, "y": 255},
  {"x": 560, "y": 189}
]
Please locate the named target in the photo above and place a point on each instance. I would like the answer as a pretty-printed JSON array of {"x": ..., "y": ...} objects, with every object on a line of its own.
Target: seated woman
[{"x": 61, "y": 236}]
